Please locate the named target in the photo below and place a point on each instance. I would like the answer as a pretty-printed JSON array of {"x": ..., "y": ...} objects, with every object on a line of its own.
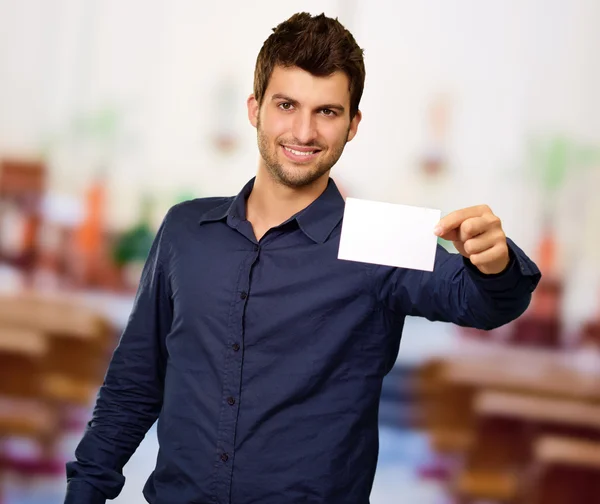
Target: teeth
[{"x": 298, "y": 153}]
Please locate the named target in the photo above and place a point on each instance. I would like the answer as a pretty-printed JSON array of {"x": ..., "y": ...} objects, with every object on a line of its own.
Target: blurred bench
[
  {"x": 79, "y": 343},
  {"x": 565, "y": 471},
  {"x": 447, "y": 387},
  {"x": 24, "y": 410},
  {"x": 53, "y": 356},
  {"x": 506, "y": 429},
  {"x": 554, "y": 377},
  {"x": 22, "y": 360},
  {"x": 446, "y": 409},
  {"x": 474, "y": 409}
]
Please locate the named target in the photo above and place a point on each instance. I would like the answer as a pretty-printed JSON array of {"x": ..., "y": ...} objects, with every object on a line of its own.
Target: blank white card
[{"x": 389, "y": 234}]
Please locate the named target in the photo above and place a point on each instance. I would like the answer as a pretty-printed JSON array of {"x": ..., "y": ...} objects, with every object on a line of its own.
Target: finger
[
  {"x": 468, "y": 229},
  {"x": 487, "y": 256},
  {"x": 454, "y": 219},
  {"x": 476, "y": 226},
  {"x": 478, "y": 244}
]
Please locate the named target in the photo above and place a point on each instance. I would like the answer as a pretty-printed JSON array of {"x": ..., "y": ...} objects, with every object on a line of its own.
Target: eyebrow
[{"x": 332, "y": 106}]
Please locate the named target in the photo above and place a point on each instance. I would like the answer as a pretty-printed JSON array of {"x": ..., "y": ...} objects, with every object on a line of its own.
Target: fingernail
[{"x": 437, "y": 230}]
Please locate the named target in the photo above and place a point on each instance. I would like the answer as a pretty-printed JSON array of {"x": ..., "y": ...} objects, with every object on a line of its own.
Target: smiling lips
[{"x": 300, "y": 154}]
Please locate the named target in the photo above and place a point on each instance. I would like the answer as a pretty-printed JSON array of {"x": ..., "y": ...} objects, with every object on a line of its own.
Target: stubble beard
[{"x": 299, "y": 176}]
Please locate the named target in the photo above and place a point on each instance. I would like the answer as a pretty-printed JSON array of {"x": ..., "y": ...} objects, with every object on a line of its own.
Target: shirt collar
[
  {"x": 320, "y": 218},
  {"x": 316, "y": 221}
]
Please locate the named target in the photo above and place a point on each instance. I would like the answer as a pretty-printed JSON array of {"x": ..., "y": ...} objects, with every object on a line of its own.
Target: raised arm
[{"x": 488, "y": 284}]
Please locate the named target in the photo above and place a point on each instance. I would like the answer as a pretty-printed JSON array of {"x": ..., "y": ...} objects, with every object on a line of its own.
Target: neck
[{"x": 270, "y": 203}]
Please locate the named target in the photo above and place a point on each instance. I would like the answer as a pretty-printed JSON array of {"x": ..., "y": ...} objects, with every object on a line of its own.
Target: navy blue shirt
[{"x": 263, "y": 361}]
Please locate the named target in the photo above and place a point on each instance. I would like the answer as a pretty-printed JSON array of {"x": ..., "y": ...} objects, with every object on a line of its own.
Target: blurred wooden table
[
  {"x": 505, "y": 431},
  {"x": 485, "y": 399},
  {"x": 565, "y": 471},
  {"x": 543, "y": 374},
  {"x": 22, "y": 342},
  {"x": 24, "y": 410},
  {"x": 451, "y": 382}
]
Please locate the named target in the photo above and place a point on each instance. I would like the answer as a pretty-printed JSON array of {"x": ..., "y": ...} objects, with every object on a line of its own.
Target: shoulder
[
  {"x": 194, "y": 210},
  {"x": 182, "y": 221}
]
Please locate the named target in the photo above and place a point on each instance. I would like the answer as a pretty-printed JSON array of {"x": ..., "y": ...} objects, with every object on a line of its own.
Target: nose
[{"x": 304, "y": 128}]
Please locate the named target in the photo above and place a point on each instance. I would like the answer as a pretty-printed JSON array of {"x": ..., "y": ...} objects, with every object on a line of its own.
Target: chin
[{"x": 298, "y": 180}]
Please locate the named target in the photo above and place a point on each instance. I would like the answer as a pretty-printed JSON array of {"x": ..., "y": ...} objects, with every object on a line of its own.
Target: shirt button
[
  {"x": 243, "y": 295},
  {"x": 231, "y": 401},
  {"x": 224, "y": 457},
  {"x": 235, "y": 347}
]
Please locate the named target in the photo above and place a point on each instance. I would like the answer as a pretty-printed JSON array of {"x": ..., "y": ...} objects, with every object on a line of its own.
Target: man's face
[{"x": 303, "y": 124}]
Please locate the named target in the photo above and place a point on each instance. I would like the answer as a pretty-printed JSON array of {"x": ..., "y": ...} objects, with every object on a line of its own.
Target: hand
[{"x": 477, "y": 234}]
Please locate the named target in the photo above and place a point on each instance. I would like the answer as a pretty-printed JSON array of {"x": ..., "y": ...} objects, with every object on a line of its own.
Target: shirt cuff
[
  {"x": 521, "y": 273},
  {"x": 80, "y": 492}
]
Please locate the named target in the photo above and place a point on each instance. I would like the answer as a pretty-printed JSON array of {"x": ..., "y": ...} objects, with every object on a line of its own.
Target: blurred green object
[
  {"x": 102, "y": 123},
  {"x": 134, "y": 245},
  {"x": 185, "y": 195},
  {"x": 448, "y": 245},
  {"x": 554, "y": 159}
]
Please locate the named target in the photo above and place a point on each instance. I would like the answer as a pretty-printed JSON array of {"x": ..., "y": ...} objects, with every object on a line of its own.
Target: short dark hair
[{"x": 317, "y": 44}]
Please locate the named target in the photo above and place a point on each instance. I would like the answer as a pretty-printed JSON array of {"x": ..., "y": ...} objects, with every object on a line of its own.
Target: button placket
[{"x": 232, "y": 384}]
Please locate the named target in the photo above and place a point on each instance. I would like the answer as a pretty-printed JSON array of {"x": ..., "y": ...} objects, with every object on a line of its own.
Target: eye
[
  {"x": 328, "y": 113},
  {"x": 285, "y": 106}
]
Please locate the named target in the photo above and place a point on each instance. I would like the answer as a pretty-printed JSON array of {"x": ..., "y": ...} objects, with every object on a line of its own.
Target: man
[{"x": 259, "y": 352}]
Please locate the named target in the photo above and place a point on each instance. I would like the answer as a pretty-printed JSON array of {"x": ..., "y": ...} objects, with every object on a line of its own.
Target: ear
[
  {"x": 354, "y": 126},
  {"x": 253, "y": 109}
]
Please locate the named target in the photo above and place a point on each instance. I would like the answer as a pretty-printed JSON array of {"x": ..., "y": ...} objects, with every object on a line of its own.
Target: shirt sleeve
[
  {"x": 456, "y": 291},
  {"x": 130, "y": 399}
]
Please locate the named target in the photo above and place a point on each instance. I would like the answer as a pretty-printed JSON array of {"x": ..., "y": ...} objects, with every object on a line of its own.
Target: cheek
[
  {"x": 334, "y": 135},
  {"x": 275, "y": 125}
]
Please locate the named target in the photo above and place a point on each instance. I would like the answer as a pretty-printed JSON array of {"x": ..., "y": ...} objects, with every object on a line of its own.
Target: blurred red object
[
  {"x": 590, "y": 333},
  {"x": 22, "y": 187},
  {"x": 541, "y": 326}
]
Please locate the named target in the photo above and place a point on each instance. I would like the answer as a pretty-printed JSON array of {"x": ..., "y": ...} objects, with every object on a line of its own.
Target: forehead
[{"x": 306, "y": 88}]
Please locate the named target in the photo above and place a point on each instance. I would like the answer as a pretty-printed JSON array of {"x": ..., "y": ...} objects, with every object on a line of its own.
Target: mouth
[{"x": 300, "y": 155}]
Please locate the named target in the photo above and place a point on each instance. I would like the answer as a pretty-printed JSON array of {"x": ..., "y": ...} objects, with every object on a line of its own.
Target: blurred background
[{"x": 113, "y": 111}]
